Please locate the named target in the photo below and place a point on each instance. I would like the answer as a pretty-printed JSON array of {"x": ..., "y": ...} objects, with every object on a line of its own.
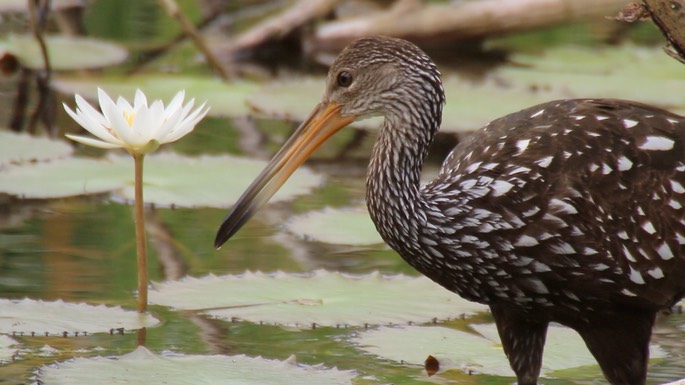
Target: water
[{"x": 82, "y": 250}]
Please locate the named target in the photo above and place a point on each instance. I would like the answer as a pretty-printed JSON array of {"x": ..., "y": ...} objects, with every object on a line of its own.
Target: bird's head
[
  {"x": 379, "y": 75},
  {"x": 372, "y": 76}
]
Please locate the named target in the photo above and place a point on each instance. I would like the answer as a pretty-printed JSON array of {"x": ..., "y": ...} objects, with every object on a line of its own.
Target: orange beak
[{"x": 321, "y": 124}]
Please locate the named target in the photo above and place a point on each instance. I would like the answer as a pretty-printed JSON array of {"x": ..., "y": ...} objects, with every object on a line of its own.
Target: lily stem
[{"x": 141, "y": 243}]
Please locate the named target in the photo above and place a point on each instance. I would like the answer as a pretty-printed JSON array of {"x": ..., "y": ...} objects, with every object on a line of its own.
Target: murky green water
[{"x": 82, "y": 249}]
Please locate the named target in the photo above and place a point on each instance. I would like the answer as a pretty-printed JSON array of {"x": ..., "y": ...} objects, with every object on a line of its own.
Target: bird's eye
[{"x": 344, "y": 79}]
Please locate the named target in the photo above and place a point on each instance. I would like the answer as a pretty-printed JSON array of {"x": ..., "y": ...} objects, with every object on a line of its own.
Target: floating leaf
[
  {"x": 213, "y": 181},
  {"x": 349, "y": 226},
  {"x": 8, "y": 348},
  {"x": 644, "y": 75},
  {"x": 17, "y": 148},
  {"x": 64, "y": 177},
  {"x": 322, "y": 298},
  {"x": 223, "y": 98},
  {"x": 482, "y": 353},
  {"x": 169, "y": 179},
  {"x": 40, "y": 317},
  {"x": 144, "y": 367},
  {"x": 65, "y": 52}
]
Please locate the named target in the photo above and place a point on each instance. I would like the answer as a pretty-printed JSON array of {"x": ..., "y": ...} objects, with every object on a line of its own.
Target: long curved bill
[{"x": 321, "y": 124}]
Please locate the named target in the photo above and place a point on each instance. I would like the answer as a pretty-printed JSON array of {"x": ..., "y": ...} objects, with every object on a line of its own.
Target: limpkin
[{"x": 570, "y": 211}]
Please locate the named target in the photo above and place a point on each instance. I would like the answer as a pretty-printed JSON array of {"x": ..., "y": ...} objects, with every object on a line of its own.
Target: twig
[
  {"x": 440, "y": 23},
  {"x": 174, "y": 11},
  {"x": 669, "y": 16}
]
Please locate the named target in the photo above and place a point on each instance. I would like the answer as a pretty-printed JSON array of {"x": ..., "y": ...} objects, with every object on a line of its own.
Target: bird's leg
[
  {"x": 523, "y": 341},
  {"x": 620, "y": 343}
]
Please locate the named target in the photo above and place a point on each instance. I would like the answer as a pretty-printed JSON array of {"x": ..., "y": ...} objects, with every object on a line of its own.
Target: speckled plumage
[{"x": 570, "y": 211}]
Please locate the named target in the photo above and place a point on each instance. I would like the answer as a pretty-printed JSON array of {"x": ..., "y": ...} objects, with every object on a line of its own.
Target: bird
[{"x": 570, "y": 211}]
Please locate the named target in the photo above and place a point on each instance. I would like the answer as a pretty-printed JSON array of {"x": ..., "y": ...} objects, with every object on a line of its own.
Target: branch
[
  {"x": 461, "y": 21},
  {"x": 668, "y": 16},
  {"x": 173, "y": 10}
]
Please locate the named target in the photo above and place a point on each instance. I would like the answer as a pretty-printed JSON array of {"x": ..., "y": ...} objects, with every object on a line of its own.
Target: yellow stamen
[{"x": 129, "y": 116}]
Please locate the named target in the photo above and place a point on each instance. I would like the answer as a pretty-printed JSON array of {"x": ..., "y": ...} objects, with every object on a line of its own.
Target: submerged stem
[{"x": 141, "y": 244}]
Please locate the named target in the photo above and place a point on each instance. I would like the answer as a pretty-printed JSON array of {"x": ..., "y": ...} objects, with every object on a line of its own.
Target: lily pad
[
  {"x": 55, "y": 318},
  {"x": 644, "y": 75},
  {"x": 480, "y": 353},
  {"x": 348, "y": 226},
  {"x": 144, "y": 367},
  {"x": 322, "y": 298},
  {"x": 169, "y": 179},
  {"x": 225, "y": 99},
  {"x": 8, "y": 348},
  {"x": 18, "y": 148},
  {"x": 65, "y": 52}
]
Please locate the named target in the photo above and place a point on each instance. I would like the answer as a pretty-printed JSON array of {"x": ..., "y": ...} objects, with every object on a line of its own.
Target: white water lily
[{"x": 140, "y": 128}]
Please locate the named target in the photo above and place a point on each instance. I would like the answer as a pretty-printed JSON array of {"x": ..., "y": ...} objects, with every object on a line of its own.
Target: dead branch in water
[{"x": 441, "y": 23}]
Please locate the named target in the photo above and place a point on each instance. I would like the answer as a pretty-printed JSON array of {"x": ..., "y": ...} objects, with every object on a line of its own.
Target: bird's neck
[{"x": 393, "y": 181}]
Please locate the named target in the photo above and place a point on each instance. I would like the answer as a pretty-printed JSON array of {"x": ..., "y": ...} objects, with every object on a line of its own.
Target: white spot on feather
[
  {"x": 526, "y": 241},
  {"x": 544, "y": 162},
  {"x": 665, "y": 252},
  {"x": 535, "y": 115},
  {"x": 629, "y": 123},
  {"x": 624, "y": 164},
  {"x": 522, "y": 145},
  {"x": 636, "y": 277},
  {"x": 500, "y": 187},
  {"x": 657, "y": 143},
  {"x": 649, "y": 227},
  {"x": 656, "y": 273},
  {"x": 677, "y": 187}
]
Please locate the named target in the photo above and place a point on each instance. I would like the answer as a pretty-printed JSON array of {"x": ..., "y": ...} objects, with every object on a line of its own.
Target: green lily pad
[
  {"x": 169, "y": 179},
  {"x": 8, "y": 348},
  {"x": 643, "y": 61},
  {"x": 65, "y": 52},
  {"x": 479, "y": 353},
  {"x": 144, "y": 367},
  {"x": 18, "y": 148},
  {"x": 348, "y": 226},
  {"x": 64, "y": 178},
  {"x": 225, "y": 99},
  {"x": 55, "y": 318},
  {"x": 322, "y": 298},
  {"x": 644, "y": 75}
]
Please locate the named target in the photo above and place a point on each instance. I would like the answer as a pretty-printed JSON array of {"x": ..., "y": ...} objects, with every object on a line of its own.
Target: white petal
[
  {"x": 87, "y": 109},
  {"x": 140, "y": 100},
  {"x": 188, "y": 124},
  {"x": 92, "y": 141},
  {"x": 124, "y": 105},
  {"x": 158, "y": 116},
  {"x": 90, "y": 119},
  {"x": 147, "y": 122},
  {"x": 175, "y": 103},
  {"x": 115, "y": 116},
  {"x": 169, "y": 126}
]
